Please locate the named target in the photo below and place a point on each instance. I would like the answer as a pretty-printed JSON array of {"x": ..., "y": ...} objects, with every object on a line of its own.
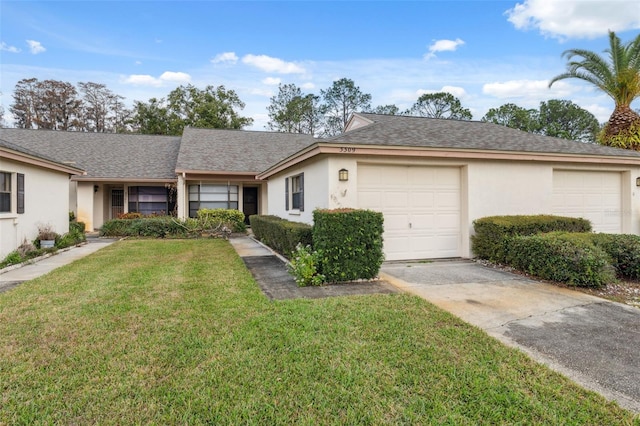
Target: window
[
  {"x": 295, "y": 187},
  {"x": 149, "y": 200},
  {"x": 212, "y": 196},
  {"x": 5, "y": 192}
]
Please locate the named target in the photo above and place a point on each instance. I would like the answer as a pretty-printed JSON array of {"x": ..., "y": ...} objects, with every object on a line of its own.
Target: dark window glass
[
  {"x": 5, "y": 192},
  {"x": 149, "y": 200},
  {"x": 212, "y": 196}
]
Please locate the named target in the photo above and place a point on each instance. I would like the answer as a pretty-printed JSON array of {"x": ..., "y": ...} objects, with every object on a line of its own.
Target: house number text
[{"x": 347, "y": 149}]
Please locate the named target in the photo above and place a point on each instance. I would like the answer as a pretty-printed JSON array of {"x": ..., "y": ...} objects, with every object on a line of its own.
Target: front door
[
  {"x": 117, "y": 203},
  {"x": 249, "y": 202}
]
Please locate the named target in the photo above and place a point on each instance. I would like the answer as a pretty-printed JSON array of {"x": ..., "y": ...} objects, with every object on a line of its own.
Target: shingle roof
[
  {"x": 236, "y": 150},
  {"x": 102, "y": 155},
  {"x": 396, "y": 130},
  {"x": 25, "y": 151}
]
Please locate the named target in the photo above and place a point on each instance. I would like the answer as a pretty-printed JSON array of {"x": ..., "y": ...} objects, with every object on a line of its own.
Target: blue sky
[{"x": 486, "y": 53}]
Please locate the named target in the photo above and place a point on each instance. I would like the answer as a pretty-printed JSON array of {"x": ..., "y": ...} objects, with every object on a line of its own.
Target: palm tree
[{"x": 618, "y": 76}]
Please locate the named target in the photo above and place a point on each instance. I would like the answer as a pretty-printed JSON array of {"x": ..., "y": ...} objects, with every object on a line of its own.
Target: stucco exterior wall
[
  {"x": 46, "y": 202},
  {"x": 316, "y": 190},
  {"x": 263, "y": 205},
  {"x": 84, "y": 191},
  {"x": 182, "y": 201},
  {"x": 99, "y": 205}
]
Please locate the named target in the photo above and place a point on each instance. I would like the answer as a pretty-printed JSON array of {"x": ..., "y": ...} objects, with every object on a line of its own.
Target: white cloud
[
  {"x": 166, "y": 77},
  {"x": 35, "y": 47},
  {"x": 269, "y": 64},
  {"x": 308, "y": 86},
  {"x": 226, "y": 58},
  {"x": 142, "y": 80},
  {"x": 443, "y": 46},
  {"x": 575, "y": 18},
  {"x": 5, "y": 47},
  {"x": 176, "y": 77},
  {"x": 272, "y": 81},
  {"x": 528, "y": 89}
]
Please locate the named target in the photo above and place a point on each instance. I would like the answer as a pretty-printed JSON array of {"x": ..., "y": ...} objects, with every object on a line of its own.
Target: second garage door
[
  {"x": 421, "y": 207},
  {"x": 596, "y": 196}
]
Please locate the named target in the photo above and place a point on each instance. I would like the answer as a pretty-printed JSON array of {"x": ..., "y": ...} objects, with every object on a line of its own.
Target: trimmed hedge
[
  {"x": 281, "y": 235},
  {"x": 209, "y": 222},
  {"x": 624, "y": 252},
  {"x": 157, "y": 227},
  {"x": 562, "y": 257},
  {"x": 349, "y": 243},
  {"x": 492, "y": 234}
]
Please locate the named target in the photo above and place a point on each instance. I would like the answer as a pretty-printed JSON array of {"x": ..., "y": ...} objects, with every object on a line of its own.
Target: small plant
[
  {"x": 12, "y": 258},
  {"x": 26, "y": 248},
  {"x": 229, "y": 218},
  {"x": 46, "y": 232},
  {"x": 25, "y": 251},
  {"x": 304, "y": 267}
]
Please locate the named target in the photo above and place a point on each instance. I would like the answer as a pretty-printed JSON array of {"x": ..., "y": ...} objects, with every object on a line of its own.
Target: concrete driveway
[{"x": 591, "y": 340}]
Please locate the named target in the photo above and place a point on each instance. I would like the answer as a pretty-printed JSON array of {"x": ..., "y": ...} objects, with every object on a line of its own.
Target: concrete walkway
[
  {"x": 270, "y": 272},
  {"x": 591, "y": 340},
  {"x": 14, "y": 276}
]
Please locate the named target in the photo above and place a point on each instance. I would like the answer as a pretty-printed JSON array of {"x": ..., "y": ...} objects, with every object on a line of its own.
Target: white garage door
[
  {"x": 421, "y": 207},
  {"x": 596, "y": 196}
]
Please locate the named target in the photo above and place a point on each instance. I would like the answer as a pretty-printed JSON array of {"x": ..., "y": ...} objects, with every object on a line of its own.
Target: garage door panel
[
  {"x": 395, "y": 222},
  {"x": 429, "y": 247},
  {"x": 422, "y": 200},
  {"x": 369, "y": 176},
  {"x": 396, "y": 248},
  {"x": 449, "y": 200},
  {"x": 450, "y": 222},
  {"x": 423, "y": 222},
  {"x": 395, "y": 198},
  {"x": 593, "y": 195},
  {"x": 371, "y": 199}
]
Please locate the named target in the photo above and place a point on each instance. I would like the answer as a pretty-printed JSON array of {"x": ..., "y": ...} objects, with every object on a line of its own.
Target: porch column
[{"x": 182, "y": 202}]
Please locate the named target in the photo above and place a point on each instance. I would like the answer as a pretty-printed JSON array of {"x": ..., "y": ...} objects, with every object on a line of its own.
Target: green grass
[{"x": 177, "y": 332}]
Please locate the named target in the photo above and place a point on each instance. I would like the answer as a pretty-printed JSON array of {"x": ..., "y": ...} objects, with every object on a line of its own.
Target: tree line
[{"x": 92, "y": 107}]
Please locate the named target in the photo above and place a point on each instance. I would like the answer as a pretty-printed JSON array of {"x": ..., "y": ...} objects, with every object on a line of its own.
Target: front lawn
[{"x": 177, "y": 332}]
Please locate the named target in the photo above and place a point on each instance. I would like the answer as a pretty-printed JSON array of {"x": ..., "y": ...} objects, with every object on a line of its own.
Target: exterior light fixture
[
  {"x": 638, "y": 181},
  {"x": 343, "y": 175},
  {"x": 95, "y": 188}
]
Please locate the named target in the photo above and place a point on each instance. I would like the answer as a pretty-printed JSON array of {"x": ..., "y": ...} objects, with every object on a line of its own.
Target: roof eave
[
  {"x": 122, "y": 179},
  {"x": 450, "y": 153},
  {"x": 40, "y": 162}
]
